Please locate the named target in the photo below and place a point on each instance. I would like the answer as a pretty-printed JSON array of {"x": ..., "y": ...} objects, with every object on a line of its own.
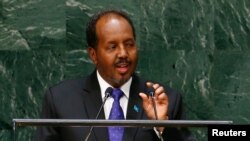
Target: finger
[
  {"x": 143, "y": 96},
  {"x": 149, "y": 84},
  {"x": 162, "y": 97},
  {"x": 155, "y": 86},
  {"x": 159, "y": 90},
  {"x": 145, "y": 99}
]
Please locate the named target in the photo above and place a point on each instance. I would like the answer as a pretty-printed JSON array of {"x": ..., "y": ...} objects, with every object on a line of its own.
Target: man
[{"x": 112, "y": 48}]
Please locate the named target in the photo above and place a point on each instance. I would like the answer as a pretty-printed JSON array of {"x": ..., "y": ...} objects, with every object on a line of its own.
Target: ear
[{"x": 92, "y": 54}]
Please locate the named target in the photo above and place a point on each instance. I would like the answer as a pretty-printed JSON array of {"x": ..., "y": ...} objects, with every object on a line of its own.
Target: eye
[
  {"x": 129, "y": 44},
  {"x": 111, "y": 46}
]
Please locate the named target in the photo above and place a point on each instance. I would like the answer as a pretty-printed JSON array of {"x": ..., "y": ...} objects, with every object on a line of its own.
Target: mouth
[{"x": 122, "y": 68}]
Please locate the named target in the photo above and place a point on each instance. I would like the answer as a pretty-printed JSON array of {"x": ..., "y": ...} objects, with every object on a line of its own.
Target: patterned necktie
[{"x": 116, "y": 113}]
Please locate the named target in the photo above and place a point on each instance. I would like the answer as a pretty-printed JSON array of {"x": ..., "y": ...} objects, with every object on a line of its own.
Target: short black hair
[{"x": 91, "y": 36}]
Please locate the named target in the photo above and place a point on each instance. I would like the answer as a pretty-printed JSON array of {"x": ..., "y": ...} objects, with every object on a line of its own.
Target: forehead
[
  {"x": 111, "y": 17},
  {"x": 113, "y": 25}
]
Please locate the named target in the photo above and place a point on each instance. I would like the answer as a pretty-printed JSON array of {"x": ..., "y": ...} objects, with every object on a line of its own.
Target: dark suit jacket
[{"x": 81, "y": 99}]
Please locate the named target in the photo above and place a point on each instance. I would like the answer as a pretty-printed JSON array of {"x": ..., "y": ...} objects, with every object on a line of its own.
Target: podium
[{"x": 126, "y": 123}]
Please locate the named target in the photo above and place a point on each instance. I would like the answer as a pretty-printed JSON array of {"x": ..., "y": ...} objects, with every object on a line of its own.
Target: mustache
[{"x": 122, "y": 61}]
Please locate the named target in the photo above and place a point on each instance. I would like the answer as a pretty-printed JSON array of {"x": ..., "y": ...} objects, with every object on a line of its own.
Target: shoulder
[
  {"x": 69, "y": 83},
  {"x": 67, "y": 87}
]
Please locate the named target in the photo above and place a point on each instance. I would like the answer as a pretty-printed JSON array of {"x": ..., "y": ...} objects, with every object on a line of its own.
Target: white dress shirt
[{"x": 123, "y": 100}]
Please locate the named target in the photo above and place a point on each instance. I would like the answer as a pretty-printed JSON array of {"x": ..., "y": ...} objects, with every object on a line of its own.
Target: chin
[{"x": 120, "y": 81}]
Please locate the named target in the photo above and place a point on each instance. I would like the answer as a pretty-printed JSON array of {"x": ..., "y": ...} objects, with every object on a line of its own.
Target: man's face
[{"x": 116, "y": 53}]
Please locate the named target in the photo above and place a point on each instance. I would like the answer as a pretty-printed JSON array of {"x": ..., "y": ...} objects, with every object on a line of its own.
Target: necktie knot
[{"x": 117, "y": 94}]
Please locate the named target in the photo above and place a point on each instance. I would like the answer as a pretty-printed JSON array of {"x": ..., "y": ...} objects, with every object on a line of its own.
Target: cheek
[
  {"x": 134, "y": 56},
  {"x": 105, "y": 60}
]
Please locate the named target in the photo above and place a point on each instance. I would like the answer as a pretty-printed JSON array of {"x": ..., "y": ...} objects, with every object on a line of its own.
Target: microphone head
[
  {"x": 108, "y": 91},
  {"x": 151, "y": 91}
]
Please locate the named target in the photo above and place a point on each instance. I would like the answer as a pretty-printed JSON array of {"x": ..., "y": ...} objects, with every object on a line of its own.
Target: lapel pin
[{"x": 136, "y": 108}]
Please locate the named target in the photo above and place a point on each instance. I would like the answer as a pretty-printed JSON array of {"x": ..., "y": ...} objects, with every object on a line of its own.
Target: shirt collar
[{"x": 104, "y": 85}]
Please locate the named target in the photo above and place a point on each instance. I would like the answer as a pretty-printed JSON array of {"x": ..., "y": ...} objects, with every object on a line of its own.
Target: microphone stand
[
  {"x": 107, "y": 94},
  {"x": 151, "y": 93}
]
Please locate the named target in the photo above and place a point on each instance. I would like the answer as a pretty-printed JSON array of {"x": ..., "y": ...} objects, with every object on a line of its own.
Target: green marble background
[{"x": 199, "y": 47}]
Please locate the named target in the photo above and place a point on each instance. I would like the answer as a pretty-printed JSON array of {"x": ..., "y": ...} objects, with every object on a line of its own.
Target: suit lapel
[
  {"x": 134, "y": 110},
  {"x": 93, "y": 101}
]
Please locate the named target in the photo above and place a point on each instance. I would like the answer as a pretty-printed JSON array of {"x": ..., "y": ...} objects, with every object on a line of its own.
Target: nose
[{"x": 123, "y": 52}]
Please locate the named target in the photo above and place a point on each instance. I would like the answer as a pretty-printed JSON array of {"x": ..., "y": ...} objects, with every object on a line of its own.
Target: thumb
[
  {"x": 143, "y": 96},
  {"x": 145, "y": 99}
]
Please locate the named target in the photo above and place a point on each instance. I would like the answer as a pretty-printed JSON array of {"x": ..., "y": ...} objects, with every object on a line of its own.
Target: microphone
[
  {"x": 107, "y": 94},
  {"x": 151, "y": 92}
]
